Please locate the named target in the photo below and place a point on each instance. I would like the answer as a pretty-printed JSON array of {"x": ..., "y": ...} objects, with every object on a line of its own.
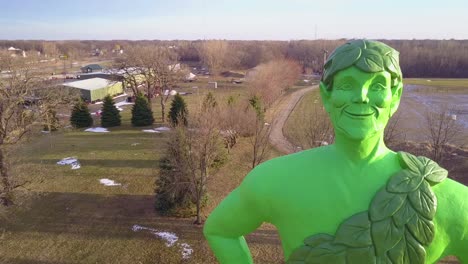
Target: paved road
[{"x": 285, "y": 106}]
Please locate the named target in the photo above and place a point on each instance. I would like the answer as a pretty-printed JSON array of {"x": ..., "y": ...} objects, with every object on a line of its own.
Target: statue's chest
[
  {"x": 334, "y": 194},
  {"x": 310, "y": 207}
]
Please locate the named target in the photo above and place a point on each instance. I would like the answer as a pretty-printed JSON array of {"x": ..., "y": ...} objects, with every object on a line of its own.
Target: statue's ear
[
  {"x": 397, "y": 90},
  {"x": 325, "y": 94}
]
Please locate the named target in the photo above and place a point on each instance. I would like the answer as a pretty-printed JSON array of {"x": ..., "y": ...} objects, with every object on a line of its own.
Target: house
[
  {"x": 91, "y": 68},
  {"x": 104, "y": 75},
  {"x": 95, "y": 88},
  {"x": 190, "y": 77},
  {"x": 16, "y": 52}
]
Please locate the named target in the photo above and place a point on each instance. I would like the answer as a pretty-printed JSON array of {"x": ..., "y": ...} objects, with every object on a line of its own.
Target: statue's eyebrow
[
  {"x": 380, "y": 79},
  {"x": 346, "y": 78}
]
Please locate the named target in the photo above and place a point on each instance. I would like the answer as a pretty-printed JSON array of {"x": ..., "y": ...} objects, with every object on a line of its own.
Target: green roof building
[{"x": 96, "y": 88}]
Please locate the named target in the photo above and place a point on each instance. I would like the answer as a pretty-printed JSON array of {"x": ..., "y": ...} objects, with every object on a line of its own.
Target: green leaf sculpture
[{"x": 395, "y": 229}]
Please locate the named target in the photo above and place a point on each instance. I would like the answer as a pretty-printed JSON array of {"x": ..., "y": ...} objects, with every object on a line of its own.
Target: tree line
[{"x": 418, "y": 58}]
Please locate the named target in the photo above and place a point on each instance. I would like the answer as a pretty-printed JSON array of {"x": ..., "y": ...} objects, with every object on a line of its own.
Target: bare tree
[
  {"x": 261, "y": 132},
  {"x": 314, "y": 129},
  {"x": 393, "y": 134},
  {"x": 442, "y": 128},
  {"x": 270, "y": 80},
  {"x": 151, "y": 70},
  {"x": 213, "y": 54},
  {"x": 194, "y": 153},
  {"x": 50, "y": 49},
  {"x": 24, "y": 102},
  {"x": 266, "y": 85}
]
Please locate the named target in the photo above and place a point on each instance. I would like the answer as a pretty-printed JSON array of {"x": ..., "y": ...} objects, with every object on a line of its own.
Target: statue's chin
[
  {"x": 359, "y": 133},
  {"x": 359, "y": 128}
]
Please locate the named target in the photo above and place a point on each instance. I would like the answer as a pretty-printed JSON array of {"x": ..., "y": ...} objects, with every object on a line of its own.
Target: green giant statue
[{"x": 354, "y": 201}]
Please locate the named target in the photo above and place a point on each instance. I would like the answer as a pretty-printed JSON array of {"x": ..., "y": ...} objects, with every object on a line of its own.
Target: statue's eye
[
  {"x": 344, "y": 87},
  {"x": 378, "y": 87}
]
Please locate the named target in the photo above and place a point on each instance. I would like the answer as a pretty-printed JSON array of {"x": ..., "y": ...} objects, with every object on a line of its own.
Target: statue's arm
[
  {"x": 238, "y": 214},
  {"x": 457, "y": 228}
]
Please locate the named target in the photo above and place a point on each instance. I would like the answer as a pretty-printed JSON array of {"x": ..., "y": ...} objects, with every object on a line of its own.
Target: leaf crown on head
[{"x": 366, "y": 55}]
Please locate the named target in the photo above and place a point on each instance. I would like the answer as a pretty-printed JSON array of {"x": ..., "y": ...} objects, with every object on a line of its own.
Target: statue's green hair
[{"x": 366, "y": 55}]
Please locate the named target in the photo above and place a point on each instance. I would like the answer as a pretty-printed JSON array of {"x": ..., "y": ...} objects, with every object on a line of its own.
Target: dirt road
[{"x": 281, "y": 114}]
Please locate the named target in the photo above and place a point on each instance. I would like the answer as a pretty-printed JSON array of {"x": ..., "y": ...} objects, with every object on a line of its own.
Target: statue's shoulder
[
  {"x": 300, "y": 159},
  {"x": 281, "y": 170},
  {"x": 452, "y": 197}
]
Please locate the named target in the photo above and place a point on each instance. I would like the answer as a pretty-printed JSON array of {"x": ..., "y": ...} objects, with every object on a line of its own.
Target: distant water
[{"x": 437, "y": 100}]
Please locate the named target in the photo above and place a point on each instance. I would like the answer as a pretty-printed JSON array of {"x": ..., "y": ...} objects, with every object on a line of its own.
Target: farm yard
[
  {"x": 88, "y": 195},
  {"x": 70, "y": 216}
]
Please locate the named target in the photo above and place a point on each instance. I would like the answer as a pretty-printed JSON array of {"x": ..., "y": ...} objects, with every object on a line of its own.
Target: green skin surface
[{"x": 313, "y": 191}]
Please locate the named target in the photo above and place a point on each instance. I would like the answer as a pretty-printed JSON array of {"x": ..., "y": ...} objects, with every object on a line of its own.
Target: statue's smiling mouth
[{"x": 359, "y": 114}]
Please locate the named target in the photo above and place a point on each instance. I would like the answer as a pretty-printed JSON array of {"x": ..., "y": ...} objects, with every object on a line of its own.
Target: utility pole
[{"x": 325, "y": 54}]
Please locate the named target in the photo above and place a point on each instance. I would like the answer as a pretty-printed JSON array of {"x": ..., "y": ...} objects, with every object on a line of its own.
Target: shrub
[
  {"x": 141, "y": 112},
  {"x": 110, "y": 116},
  {"x": 80, "y": 116}
]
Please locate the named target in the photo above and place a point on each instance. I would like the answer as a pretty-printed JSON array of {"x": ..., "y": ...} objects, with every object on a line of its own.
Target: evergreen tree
[
  {"x": 80, "y": 116},
  {"x": 178, "y": 111},
  {"x": 141, "y": 112},
  {"x": 110, "y": 115}
]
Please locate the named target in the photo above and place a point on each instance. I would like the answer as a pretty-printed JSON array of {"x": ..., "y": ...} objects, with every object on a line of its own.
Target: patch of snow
[
  {"x": 97, "y": 130},
  {"x": 67, "y": 161},
  {"x": 162, "y": 129},
  {"x": 75, "y": 164},
  {"x": 122, "y": 95},
  {"x": 186, "y": 250},
  {"x": 108, "y": 182},
  {"x": 136, "y": 228},
  {"x": 45, "y": 132},
  {"x": 120, "y": 109},
  {"x": 150, "y": 131},
  {"x": 170, "y": 239},
  {"x": 123, "y": 103},
  {"x": 135, "y": 144}
]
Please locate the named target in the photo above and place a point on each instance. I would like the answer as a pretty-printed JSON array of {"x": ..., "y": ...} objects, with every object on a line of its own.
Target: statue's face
[{"x": 361, "y": 103}]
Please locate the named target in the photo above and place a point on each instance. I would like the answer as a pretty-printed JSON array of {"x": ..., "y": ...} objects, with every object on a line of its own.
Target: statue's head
[{"x": 361, "y": 87}]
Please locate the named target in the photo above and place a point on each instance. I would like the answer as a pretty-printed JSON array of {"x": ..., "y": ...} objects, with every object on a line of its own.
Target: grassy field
[
  {"x": 303, "y": 110},
  {"x": 68, "y": 217},
  {"x": 440, "y": 85}
]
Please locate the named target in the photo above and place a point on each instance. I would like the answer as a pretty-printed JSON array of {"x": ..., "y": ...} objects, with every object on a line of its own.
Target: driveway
[{"x": 284, "y": 108}]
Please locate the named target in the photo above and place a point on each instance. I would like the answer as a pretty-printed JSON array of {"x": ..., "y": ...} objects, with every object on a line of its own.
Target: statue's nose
[{"x": 360, "y": 96}]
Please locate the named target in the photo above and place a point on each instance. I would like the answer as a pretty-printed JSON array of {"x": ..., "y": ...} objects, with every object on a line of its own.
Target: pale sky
[{"x": 240, "y": 19}]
